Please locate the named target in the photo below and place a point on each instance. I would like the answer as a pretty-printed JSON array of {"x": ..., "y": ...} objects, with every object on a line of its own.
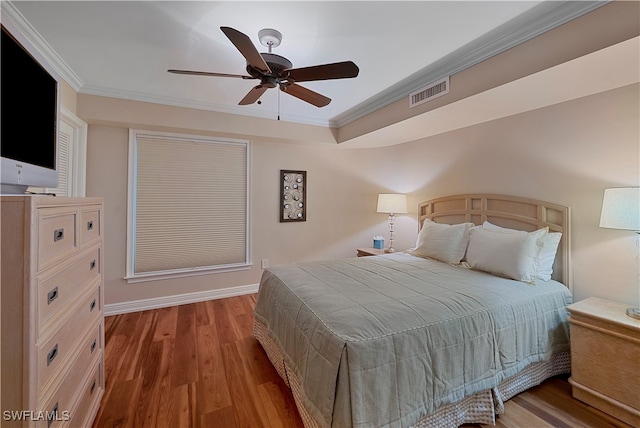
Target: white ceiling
[{"x": 123, "y": 48}]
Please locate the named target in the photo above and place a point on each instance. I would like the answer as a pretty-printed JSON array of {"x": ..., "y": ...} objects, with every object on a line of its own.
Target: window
[{"x": 188, "y": 205}]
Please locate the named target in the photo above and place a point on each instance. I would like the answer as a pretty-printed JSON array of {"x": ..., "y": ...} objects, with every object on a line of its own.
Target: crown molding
[
  {"x": 40, "y": 44},
  {"x": 548, "y": 15}
]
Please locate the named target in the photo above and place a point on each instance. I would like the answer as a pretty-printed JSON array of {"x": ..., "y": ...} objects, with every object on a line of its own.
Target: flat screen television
[{"x": 29, "y": 117}]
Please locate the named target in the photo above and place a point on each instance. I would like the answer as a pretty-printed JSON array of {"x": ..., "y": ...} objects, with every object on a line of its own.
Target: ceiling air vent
[{"x": 430, "y": 92}]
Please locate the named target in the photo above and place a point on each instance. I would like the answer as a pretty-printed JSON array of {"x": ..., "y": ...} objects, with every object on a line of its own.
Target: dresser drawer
[
  {"x": 57, "y": 350},
  {"x": 91, "y": 349},
  {"x": 88, "y": 356},
  {"x": 56, "y": 413},
  {"x": 57, "y": 235},
  {"x": 89, "y": 400},
  {"x": 90, "y": 225},
  {"x": 59, "y": 289}
]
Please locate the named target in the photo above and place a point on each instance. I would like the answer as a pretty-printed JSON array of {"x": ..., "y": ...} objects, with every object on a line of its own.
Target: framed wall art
[{"x": 293, "y": 195}]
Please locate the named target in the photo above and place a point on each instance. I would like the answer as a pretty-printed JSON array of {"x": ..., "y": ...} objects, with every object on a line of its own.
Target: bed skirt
[{"x": 481, "y": 408}]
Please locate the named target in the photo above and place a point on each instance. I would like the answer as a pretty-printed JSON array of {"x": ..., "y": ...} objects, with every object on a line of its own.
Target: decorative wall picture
[{"x": 293, "y": 195}]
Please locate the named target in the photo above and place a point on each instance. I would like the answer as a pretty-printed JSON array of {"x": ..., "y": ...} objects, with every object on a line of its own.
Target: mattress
[{"x": 383, "y": 341}]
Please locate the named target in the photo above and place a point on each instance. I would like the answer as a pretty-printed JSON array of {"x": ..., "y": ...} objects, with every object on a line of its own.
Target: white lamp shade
[
  {"x": 392, "y": 203},
  {"x": 621, "y": 208}
]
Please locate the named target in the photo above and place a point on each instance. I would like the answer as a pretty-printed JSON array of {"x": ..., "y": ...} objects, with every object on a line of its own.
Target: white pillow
[
  {"x": 444, "y": 242},
  {"x": 513, "y": 255},
  {"x": 547, "y": 255}
]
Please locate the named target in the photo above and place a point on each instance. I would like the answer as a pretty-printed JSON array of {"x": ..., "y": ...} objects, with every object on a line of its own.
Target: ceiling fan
[{"x": 274, "y": 70}]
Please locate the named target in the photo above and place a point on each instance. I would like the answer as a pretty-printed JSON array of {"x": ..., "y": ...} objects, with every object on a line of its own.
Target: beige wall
[
  {"x": 341, "y": 192},
  {"x": 566, "y": 154},
  {"x": 68, "y": 96}
]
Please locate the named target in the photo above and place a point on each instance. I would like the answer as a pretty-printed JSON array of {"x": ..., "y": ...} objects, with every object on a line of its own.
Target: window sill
[{"x": 183, "y": 273}]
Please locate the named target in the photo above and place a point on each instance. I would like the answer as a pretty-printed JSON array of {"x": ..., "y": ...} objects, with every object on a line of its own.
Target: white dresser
[{"x": 52, "y": 371}]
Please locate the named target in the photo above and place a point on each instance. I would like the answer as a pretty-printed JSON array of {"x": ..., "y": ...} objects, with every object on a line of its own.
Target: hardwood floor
[{"x": 197, "y": 365}]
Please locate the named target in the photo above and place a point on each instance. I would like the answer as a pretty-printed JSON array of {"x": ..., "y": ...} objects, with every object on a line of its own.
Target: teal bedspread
[{"x": 381, "y": 341}]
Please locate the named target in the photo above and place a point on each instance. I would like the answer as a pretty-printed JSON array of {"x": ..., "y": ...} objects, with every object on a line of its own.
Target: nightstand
[
  {"x": 605, "y": 358},
  {"x": 363, "y": 252}
]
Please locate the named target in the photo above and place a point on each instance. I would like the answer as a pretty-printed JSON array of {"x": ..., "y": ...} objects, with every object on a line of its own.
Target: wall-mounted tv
[{"x": 29, "y": 116}]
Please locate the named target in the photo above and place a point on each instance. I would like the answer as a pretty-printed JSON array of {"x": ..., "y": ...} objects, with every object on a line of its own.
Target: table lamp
[
  {"x": 621, "y": 210},
  {"x": 392, "y": 204}
]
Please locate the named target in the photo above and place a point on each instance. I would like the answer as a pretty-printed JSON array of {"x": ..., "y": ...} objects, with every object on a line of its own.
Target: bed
[{"x": 434, "y": 337}]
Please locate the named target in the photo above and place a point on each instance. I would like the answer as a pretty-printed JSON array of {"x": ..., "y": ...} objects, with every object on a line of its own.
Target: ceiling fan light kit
[{"x": 277, "y": 71}]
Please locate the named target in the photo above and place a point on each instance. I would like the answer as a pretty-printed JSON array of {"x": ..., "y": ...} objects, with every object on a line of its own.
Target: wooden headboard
[{"x": 506, "y": 211}]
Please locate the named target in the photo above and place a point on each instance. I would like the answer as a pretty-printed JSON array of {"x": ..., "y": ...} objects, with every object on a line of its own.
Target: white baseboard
[{"x": 180, "y": 299}]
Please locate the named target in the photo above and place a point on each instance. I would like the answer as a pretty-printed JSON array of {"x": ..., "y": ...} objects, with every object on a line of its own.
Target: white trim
[
  {"x": 182, "y": 273},
  {"x": 77, "y": 171},
  {"x": 131, "y": 206},
  {"x": 180, "y": 299}
]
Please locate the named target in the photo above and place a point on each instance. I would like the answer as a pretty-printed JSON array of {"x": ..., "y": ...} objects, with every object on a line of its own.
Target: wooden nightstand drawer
[
  {"x": 605, "y": 358},
  {"x": 57, "y": 237},
  {"x": 612, "y": 367}
]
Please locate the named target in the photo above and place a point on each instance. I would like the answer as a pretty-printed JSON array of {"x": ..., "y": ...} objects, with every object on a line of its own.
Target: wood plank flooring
[{"x": 197, "y": 365}]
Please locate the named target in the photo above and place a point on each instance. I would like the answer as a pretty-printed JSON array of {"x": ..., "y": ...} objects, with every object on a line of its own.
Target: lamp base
[
  {"x": 389, "y": 250},
  {"x": 634, "y": 313}
]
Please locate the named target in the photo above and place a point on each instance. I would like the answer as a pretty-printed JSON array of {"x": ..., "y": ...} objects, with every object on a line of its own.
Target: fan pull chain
[{"x": 279, "y": 104}]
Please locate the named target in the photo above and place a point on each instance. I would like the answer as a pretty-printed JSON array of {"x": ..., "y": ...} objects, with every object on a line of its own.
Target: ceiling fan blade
[
  {"x": 305, "y": 94},
  {"x": 338, "y": 70},
  {"x": 243, "y": 43},
  {"x": 208, "y": 73},
  {"x": 253, "y": 95}
]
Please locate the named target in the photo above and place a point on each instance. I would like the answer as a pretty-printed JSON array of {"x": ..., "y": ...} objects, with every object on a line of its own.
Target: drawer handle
[
  {"x": 92, "y": 305},
  {"x": 92, "y": 265},
  {"x": 53, "y": 415},
  {"x": 52, "y": 355},
  {"x": 52, "y": 295},
  {"x": 93, "y": 345},
  {"x": 90, "y": 225},
  {"x": 93, "y": 387},
  {"x": 58, "y": 235}
]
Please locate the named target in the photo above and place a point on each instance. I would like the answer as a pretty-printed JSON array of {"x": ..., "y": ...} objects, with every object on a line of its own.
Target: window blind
[
  {"x": 190, "y": 203},
  {"x": 63, "y": 166},
  {"x": 64, "y": 158}
]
